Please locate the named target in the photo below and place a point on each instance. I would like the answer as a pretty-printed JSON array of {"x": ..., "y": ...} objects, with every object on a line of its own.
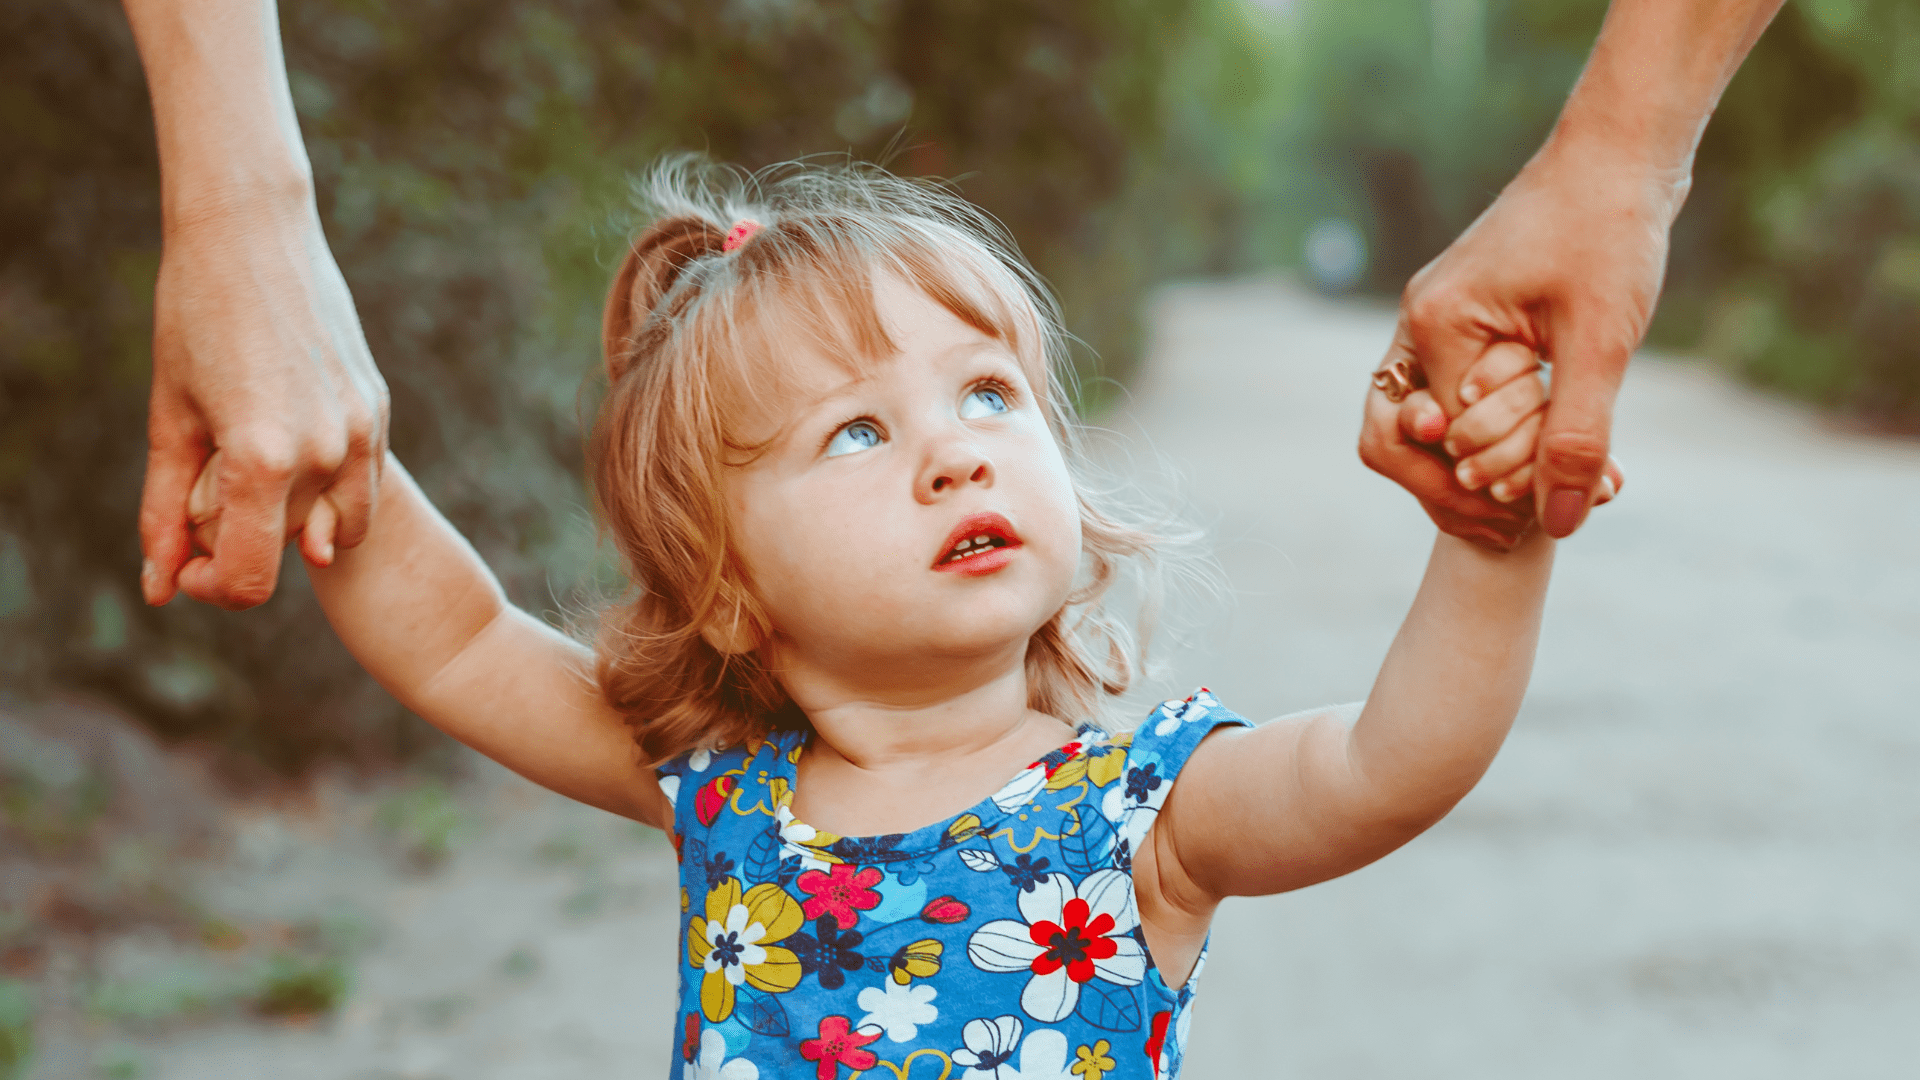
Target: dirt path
[{"x": 1696, "y": 857}]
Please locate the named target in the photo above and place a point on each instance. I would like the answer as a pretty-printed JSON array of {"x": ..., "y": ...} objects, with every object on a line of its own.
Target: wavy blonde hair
[{"x": 691, "y": 331}]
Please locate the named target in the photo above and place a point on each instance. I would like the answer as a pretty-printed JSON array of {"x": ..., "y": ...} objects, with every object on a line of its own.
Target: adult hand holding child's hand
[
  {"x": 1566, "y": 265},
  {"x": 261, "y": 379},
  {"x": 1467, "y": 472}
]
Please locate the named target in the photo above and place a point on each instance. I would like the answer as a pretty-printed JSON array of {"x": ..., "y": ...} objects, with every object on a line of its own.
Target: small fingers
[
  {"x": 1520, "y": 481},
  {"x": 1614, "y": 475},
  {"x": 1503, "y": 362},
  {"x": 1470, "y": 515},
  {"x": 1513, "y": 485},
  {"x": 317, "y": 536},
  {"x": 249, "y": 494},
  {"x": 1490, "y": 419},
  {"x": 1511, "y": 452},
  {"x": 352, "y": 495}
]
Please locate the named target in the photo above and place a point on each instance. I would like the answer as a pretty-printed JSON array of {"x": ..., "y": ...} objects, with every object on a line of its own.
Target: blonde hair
[{"x": 690, "y": 328}]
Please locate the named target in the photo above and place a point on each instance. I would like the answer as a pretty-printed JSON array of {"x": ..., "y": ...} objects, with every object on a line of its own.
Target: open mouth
[{"x": 974, "y": 542}]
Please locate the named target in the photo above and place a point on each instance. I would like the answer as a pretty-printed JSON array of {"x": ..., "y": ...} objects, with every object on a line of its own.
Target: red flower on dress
[
  {"x": 1157, "y": 1041},
  {"x": 712, "y": 798},
  {"x": 1075, "y": 945},
  {"x": 839, "y": 1045},
  {"x": 691, "y": 1049},
  {"x": 945, "y": 909},
  {"x": 839, "y": 891}
]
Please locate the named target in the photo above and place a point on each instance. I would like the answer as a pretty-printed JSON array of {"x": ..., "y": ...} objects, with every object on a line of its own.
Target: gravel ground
[{"x": 1696, "y": 857}]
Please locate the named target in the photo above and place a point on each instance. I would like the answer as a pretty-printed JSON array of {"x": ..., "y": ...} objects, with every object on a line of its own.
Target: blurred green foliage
[
  {"x": 472, "y": 161},
  {"x": 16, "y": 1027},
  {"x": 1797, "y": 259}
]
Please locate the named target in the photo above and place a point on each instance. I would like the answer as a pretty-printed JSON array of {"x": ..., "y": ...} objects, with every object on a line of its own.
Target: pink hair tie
[{"x": 741, "y": 232}]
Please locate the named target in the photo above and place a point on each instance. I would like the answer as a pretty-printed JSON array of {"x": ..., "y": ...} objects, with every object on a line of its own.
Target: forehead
[{"x": 805, "y": 352}]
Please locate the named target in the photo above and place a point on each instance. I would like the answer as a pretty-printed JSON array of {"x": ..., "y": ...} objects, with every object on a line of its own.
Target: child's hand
[
  {"x": 204, "y": 509},
  {"x": 1492, "y": 444}
]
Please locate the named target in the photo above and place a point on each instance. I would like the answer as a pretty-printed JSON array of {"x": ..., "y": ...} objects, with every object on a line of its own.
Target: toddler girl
[{"x": 861, "y": 679}]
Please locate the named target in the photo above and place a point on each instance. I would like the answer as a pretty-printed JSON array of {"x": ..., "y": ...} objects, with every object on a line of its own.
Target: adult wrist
[
  {"x": 257, "y": 192},
  {"x": 1649, "y": 137}
]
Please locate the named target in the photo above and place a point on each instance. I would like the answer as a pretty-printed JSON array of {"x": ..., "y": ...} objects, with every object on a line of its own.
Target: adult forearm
[
  {"x": 1657, "y": 72},
  {"x": 222, "y": 110}
]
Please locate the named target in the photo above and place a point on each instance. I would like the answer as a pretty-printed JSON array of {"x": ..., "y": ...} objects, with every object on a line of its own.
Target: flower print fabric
[{"x": 1000, "y": 944}]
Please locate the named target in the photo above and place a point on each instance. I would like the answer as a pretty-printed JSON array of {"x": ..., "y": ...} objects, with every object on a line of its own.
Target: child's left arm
[{"x": 1308, "y": 798}]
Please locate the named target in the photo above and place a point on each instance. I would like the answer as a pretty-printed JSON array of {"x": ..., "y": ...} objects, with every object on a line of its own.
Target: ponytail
[{"x": 654, "y": 264}]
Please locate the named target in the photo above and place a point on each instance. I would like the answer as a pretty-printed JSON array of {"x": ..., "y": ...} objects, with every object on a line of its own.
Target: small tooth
[{"x": 979, "y": 540}]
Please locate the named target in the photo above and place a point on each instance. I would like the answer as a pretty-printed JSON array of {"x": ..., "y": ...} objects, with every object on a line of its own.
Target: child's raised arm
[
  {"x": 1311, "y": 797},
  {"x": 425, "y": 616}
]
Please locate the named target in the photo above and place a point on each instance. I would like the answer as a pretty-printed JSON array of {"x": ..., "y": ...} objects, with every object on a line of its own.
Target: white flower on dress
[
  {"x": 900, "y": 1010},
  {"x": 730, "y": 945},
  {"x": 1021, "y": 789},
  {"x": 670, "y": 784},
  {"x": 700, "y": 759},
  {"x": 1179, "y": 712},
  {"x": 796, "y": 838},
  {"x": 988, "y": 1054},
  {"x": 713, "y": 1064},
  {"x": 1072, "y": 934},
  {"x": 989, "y": 1047}
]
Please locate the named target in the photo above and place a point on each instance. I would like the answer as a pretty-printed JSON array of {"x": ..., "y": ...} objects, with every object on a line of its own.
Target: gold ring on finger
[{"x": 1399, "y": 379}]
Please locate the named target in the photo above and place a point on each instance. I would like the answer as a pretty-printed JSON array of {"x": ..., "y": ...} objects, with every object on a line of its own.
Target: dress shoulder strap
[
  {"x": 1156, "y": 752},
  {"x": 699, "y": 782}
]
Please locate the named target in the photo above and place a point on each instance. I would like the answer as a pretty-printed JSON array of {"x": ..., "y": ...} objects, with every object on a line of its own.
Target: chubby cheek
[
  {"x": 816, "y": 553},
  {"x": 1050, "y": 523}
]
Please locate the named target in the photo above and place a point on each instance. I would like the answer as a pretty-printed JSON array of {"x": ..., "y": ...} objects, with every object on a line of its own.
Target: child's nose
[{"x": 951, "y": 467}]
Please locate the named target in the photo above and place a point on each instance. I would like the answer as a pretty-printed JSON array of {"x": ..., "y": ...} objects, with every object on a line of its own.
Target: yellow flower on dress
[
  {"x": 1105, "y": 766},
  {"x": 1093, "y": 1061},
  {"x": 734, "y": 943}
]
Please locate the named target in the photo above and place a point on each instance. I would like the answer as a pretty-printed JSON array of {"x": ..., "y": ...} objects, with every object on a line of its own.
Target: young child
[{"x": 861, "y": 679}]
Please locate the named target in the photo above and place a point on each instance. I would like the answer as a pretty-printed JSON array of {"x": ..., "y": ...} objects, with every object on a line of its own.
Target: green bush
[
  {"x": 16, "y": 1028},
  {"x": 472, "y": 159}
]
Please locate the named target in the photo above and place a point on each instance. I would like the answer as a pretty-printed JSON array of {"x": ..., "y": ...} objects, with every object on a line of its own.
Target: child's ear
[{"x": 733, "y": 630}]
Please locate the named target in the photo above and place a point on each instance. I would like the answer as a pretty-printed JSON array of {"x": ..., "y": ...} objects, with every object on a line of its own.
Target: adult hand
[
  {"x": 1568, "y": 261},
  {"x": 1454, "y": 466},
  {"x": 257, "y": 354}
]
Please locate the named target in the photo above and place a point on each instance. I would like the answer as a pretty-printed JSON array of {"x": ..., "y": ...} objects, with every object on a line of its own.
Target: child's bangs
[{"x": 808, "y": 284}]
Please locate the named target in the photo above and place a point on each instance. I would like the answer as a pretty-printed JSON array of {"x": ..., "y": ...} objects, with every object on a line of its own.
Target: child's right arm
[{"x": 426, "y": 618}]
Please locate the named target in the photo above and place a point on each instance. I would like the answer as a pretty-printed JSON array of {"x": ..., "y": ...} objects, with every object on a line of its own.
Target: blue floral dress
[{"x": 1003, "y": 943}]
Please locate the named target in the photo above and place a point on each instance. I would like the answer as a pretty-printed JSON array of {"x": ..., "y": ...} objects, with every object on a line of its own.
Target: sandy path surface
[{"x": 1698, "y": 856}]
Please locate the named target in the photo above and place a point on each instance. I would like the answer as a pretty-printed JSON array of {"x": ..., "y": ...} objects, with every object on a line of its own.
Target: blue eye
[
  {"x": 855, "y": 437},
  {"x": 982, "y": 402}
]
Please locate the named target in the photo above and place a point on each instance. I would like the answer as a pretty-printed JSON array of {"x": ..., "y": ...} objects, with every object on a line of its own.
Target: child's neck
[{"x": 893, "y": 762}]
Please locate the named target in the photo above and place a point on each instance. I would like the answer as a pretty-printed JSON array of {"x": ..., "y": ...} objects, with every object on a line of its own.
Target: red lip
[{"x": 995, "y": 555}]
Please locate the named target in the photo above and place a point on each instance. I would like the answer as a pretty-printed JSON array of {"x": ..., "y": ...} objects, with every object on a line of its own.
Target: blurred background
[{"x": 157, "y": 767}]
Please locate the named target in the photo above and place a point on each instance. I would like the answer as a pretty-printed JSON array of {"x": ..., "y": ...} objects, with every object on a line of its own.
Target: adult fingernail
[
  {"x": 147, "y": 575},
  {"x": 1502, "y": 491},
  {"x": 1470, "y": 393},
  {"x": 1566, "y": 506},
  {"x": 1607, "y": 490},
  {"x": 1467, "y": 477}
]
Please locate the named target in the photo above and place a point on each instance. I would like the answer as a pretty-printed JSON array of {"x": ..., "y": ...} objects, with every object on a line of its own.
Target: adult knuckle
[
  {"x": 263, "y": 453},
  {"x": 1432, "y": 304},
  {"x": 1574, "y": 452}
]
